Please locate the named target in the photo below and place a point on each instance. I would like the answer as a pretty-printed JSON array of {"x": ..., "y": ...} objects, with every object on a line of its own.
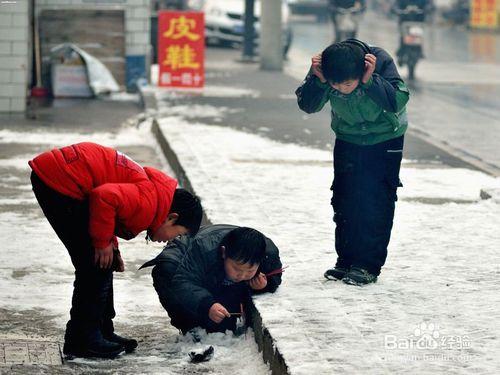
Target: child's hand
[
  {"x": 316, "y": 67},
  {"x": 218, "y": 313},
  {"x": 258, "y": 282},
  {"x": 119, "y": 265},
  {"x": 103, "y": 258},
  {"x": 370, "y": 61}
]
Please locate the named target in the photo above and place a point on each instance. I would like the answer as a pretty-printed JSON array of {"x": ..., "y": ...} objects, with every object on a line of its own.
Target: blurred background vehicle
[
  {"x": 319, "y": 8},
  {"x": 345, "y": 16},
  {"x": 224, "y": 22},
  {"x": 411, "y": 29},
  {"x": 345, "y": 21}
]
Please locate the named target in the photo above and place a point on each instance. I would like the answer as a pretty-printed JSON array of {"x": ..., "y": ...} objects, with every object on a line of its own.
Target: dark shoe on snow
[
  {"x": 128, "y": 344},
  {"x": 336, "y": 273},
  {"x": 99, "y": 348},
  {"x": 359, "y": 276}
]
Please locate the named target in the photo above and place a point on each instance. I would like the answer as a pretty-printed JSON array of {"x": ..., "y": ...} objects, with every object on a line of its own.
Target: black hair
[
  {"x": 245, "y": 245},
  {"x": 343, "y": 61},
  {"x": 188, "y": 207}
]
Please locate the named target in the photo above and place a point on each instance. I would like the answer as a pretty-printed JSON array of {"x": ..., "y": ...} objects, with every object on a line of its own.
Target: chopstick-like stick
[{"x": 276, "y": 272}]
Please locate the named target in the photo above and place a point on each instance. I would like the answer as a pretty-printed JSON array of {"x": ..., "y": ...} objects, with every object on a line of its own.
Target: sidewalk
[{"x": 431, "y": 310}]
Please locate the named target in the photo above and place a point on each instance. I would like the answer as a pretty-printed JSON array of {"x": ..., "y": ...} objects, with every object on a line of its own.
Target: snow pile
[
  {"x": 197, "y": 110},
  {"x": 128, "y": 136},
  {"x": 433, "y": 307}
]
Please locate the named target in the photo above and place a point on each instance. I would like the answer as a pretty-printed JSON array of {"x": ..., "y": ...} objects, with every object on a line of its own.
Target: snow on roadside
[
  {"x": 128, "y": 136},
  {"x": 36, "y": 274},
  {"x": 433, "y": 307},
  {"x": 198, "y": 110}
]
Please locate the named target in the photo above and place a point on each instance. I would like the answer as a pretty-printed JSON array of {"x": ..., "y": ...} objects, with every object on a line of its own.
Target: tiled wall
[{"x": 15, "y": 55}]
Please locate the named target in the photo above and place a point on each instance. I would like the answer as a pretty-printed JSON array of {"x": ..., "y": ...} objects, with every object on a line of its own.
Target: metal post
[
  {"x": 249, "y": 31},
  {"x": 271, "y": 35}
]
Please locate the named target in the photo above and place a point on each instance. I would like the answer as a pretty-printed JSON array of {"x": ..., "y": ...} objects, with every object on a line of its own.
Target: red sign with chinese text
[{"x": 181, "y": 49}]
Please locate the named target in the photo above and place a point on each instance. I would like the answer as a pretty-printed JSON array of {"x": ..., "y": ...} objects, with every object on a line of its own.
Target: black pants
[
  {"x": 364, "y": 193},
  {"x": 92, "y": 308}
]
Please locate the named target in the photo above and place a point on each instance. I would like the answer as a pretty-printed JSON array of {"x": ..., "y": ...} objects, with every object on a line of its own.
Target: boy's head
[
  {"x": 242, "y": 250},
  {"x": 343, "y": 66},
  {"x": 184, "y": 217}
]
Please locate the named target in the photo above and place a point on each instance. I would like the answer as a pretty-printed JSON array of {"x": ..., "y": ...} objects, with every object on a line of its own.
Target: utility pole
[
  {"x": 271, "y": 35},
  {"x": 249, "y": 31}
]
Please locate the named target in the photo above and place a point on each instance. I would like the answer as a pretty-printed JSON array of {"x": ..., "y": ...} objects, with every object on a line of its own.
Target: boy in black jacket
[{"x": 202, "y": 280}]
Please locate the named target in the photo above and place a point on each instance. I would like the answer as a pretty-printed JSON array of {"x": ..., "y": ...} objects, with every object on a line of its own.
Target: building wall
[
  {"x": 15, "y": 39},
  {"x": 15, "y": 55},
  {"x": 137, "y": 29}
]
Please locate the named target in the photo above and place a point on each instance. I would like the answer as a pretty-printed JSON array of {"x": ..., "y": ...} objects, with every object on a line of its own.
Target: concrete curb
[
  {"x": 468, "y": 159},
  {"x": 265, "y": 341}
]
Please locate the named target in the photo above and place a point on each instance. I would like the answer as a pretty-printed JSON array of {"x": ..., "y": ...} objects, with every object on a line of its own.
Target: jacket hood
[
  {"x": 165, "y": 188},
  {"x": 356, "y": 42}
]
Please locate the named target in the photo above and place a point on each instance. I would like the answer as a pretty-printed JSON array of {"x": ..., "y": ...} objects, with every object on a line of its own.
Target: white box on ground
[{"x": 70, "y": 81}]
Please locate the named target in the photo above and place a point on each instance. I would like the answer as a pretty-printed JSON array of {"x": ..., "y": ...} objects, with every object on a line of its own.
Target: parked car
[
  {"x": 319, "y": 8},
  {"x": 224, "y": 22}
]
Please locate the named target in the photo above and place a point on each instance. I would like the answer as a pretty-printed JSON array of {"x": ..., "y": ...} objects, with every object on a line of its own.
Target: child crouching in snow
[{"x": 202, "y": 281}]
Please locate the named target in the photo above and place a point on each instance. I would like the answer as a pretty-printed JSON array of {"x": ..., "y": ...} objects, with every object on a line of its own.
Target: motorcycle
[
  {"x": 411, "y": 29},
  {"x": 346, "y": 21}
]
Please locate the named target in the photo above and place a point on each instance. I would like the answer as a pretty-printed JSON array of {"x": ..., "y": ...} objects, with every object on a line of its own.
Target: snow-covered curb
[{"x": 263, "y": 338}]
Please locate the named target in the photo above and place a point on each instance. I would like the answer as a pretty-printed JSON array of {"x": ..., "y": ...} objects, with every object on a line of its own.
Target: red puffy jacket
[{"x": 124, "y": 198}]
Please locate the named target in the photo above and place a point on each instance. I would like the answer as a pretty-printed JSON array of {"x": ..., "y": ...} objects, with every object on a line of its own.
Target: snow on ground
[
  {"x": 435, "y": 307},
  {"x": 36, "y": 273},
  {"x": 127, "y": 137},
  {"x": 213, "y": 91},
  {"x": 198, "y": 110}
]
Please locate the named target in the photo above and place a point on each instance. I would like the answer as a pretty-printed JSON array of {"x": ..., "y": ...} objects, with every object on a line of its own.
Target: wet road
[{"x": 455, "y": 98}]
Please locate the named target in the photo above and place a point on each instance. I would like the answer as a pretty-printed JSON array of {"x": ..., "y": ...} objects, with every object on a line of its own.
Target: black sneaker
[
  {"x": 99, "y": 348},
  {"x": 128, "y": 344},
  {"x": 336, "y": 273},
  {"x": 359, "y": 276}
]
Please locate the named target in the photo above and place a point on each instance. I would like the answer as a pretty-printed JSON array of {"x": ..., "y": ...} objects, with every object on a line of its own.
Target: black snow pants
[
  {"x": 92, "y": 308},
  {"x": 363, "y": 198}
]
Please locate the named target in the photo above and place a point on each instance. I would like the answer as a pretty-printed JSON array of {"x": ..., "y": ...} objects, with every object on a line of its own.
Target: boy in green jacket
[{"x": 368, "y": 105}]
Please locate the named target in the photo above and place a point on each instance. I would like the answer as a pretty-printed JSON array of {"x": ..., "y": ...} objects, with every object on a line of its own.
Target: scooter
[
  {"x": 412, "y": 38},
  {"x": 346, "y": 23}
]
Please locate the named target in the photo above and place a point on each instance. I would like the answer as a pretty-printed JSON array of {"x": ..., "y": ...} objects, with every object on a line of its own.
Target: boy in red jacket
[{"x": 91, "y": 194}]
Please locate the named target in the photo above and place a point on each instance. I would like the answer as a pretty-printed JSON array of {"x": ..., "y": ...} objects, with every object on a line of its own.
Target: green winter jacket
[{"x": 373, "y": 113}]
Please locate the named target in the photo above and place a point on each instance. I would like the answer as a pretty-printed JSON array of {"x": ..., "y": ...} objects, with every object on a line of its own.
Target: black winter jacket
[{"x": 189, "y": 273}]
